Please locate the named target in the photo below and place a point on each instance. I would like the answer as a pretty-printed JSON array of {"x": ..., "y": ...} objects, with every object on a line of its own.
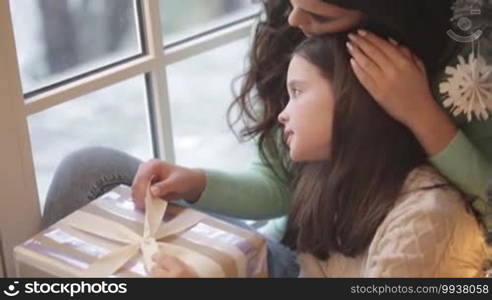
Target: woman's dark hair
[
  {"x": 339, "y": 203},
  {"x": 421, "y": 25}
]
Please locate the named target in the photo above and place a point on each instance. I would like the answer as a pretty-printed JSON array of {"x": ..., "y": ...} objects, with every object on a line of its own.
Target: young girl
[
  {"x": 459, "y": 148},
  {"x": 365, "y": 201}
]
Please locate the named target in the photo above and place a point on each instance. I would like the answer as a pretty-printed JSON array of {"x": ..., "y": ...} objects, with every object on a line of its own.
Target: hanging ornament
[{"x": 468, "y": 90}]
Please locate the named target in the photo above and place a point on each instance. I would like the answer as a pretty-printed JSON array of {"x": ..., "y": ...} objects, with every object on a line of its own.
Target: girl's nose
[{"x": 282, "y": 117}]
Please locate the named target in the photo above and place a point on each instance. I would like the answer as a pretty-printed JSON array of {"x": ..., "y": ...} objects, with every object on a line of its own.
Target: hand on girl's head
[{"x": 395, "y": 77}]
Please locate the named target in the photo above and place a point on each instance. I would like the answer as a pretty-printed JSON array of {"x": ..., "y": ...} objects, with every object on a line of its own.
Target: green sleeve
[
  {"x": 466, "y": 167},
  {"x": 254, "y": 194}
]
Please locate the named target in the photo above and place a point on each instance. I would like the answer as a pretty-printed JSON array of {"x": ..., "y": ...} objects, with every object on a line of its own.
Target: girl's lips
[{"x": 288, "y": 137}]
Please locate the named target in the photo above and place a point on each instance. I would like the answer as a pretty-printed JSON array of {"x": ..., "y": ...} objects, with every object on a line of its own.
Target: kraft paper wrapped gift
[{"x": 109, "y": 237}]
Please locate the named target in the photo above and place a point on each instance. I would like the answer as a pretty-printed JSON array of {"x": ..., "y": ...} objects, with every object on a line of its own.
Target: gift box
[{"x": 109, "y": 237}]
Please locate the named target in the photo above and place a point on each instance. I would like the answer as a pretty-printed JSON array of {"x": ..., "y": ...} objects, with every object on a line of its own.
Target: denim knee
[{"x": 83, "y": 175}]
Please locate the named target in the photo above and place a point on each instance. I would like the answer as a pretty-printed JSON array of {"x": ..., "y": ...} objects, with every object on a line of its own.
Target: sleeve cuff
[
  {"x": 463, "y": 165},
  {"x": 458, "y": 146}
]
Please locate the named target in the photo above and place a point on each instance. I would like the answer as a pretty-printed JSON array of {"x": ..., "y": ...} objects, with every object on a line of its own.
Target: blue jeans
[{"x": 88, "y": 173}]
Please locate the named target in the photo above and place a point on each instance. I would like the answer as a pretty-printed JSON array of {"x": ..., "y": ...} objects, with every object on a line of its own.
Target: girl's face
[
  {"x": 315, "y": 17},
  {"x": 308, "y": 116}
]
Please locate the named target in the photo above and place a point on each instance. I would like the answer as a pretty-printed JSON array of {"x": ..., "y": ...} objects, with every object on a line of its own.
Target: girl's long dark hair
[
  {"x": 419, "y": 24},
  {"x": 338, "y": 204}
]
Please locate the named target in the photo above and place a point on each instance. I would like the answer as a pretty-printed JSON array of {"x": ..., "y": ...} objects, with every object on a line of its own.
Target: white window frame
[{"x": 19, "y": 204}]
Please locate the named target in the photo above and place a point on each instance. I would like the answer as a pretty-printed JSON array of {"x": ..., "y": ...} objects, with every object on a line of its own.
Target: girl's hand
[
  {"x": 170, "y": 267},
  {"x": 394, "y": 76},
  {"x": 169, "y": 182}
]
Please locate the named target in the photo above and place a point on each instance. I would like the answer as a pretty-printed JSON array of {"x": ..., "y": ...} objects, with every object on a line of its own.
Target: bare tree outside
[
  {"x": 66, "y": 38},
  {"x": 59, "y": 35}
]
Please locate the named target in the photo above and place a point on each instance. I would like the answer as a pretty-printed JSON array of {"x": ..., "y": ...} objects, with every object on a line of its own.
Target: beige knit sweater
[{"x": 428, "y": 233}]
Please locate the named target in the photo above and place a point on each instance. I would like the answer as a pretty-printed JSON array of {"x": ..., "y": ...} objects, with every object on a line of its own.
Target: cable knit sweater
[{"x": 428, "y": 233}]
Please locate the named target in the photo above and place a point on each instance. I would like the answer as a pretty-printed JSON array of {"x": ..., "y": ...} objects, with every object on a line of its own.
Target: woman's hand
[
  {"x": 398, "y": 81},
  {"x": 169, "y": 182},
  {"x": 170, "y": 267},
  {"x": 395, "y": 77}
]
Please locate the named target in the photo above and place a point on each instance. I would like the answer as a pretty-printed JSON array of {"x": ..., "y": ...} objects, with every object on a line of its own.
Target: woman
[
  {"x": 450, "y": 149},
  {"x": 365, "y": 201}
]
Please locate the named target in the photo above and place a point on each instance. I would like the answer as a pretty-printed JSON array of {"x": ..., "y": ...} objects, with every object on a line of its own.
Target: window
[
  {"x": 63, "y": 39},
  {"x": 197, "y": 89},
  {"x": 114, "y": 117},
  {"x": 179, "y": 22},
  {"x": 69, "y": 65}
]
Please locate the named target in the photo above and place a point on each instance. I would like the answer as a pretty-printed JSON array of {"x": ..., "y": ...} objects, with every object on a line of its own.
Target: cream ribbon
[{"x": 155, "y": 209}]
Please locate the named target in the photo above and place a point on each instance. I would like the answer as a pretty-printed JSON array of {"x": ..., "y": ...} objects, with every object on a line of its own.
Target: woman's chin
[
  {"x": 292, "y": 157},
  {"x": 305, "y": 157},
  {"x": 296, "y": 157}
]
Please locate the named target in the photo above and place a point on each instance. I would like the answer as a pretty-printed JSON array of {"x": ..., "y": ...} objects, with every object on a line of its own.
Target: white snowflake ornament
[{"x": 468, "y": 89}]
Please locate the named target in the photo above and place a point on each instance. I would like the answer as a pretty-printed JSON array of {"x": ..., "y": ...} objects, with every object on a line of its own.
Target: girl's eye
[{"x": 296, "y": 92}]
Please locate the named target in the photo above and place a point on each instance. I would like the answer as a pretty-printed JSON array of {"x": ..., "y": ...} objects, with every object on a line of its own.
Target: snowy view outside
[{"x": 57, "y": 40}]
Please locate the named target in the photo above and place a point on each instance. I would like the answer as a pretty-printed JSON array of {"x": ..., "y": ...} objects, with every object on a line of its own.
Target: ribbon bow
[{"x": 147, "y": 244}]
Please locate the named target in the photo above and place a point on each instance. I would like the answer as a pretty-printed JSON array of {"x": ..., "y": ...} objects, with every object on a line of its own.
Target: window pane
[
  {"x": 115, "y": 117},
  {"x": 57, "y": 40},
  {"x": 200, "y": 92},
  {"x": 184, "y": 18}
]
